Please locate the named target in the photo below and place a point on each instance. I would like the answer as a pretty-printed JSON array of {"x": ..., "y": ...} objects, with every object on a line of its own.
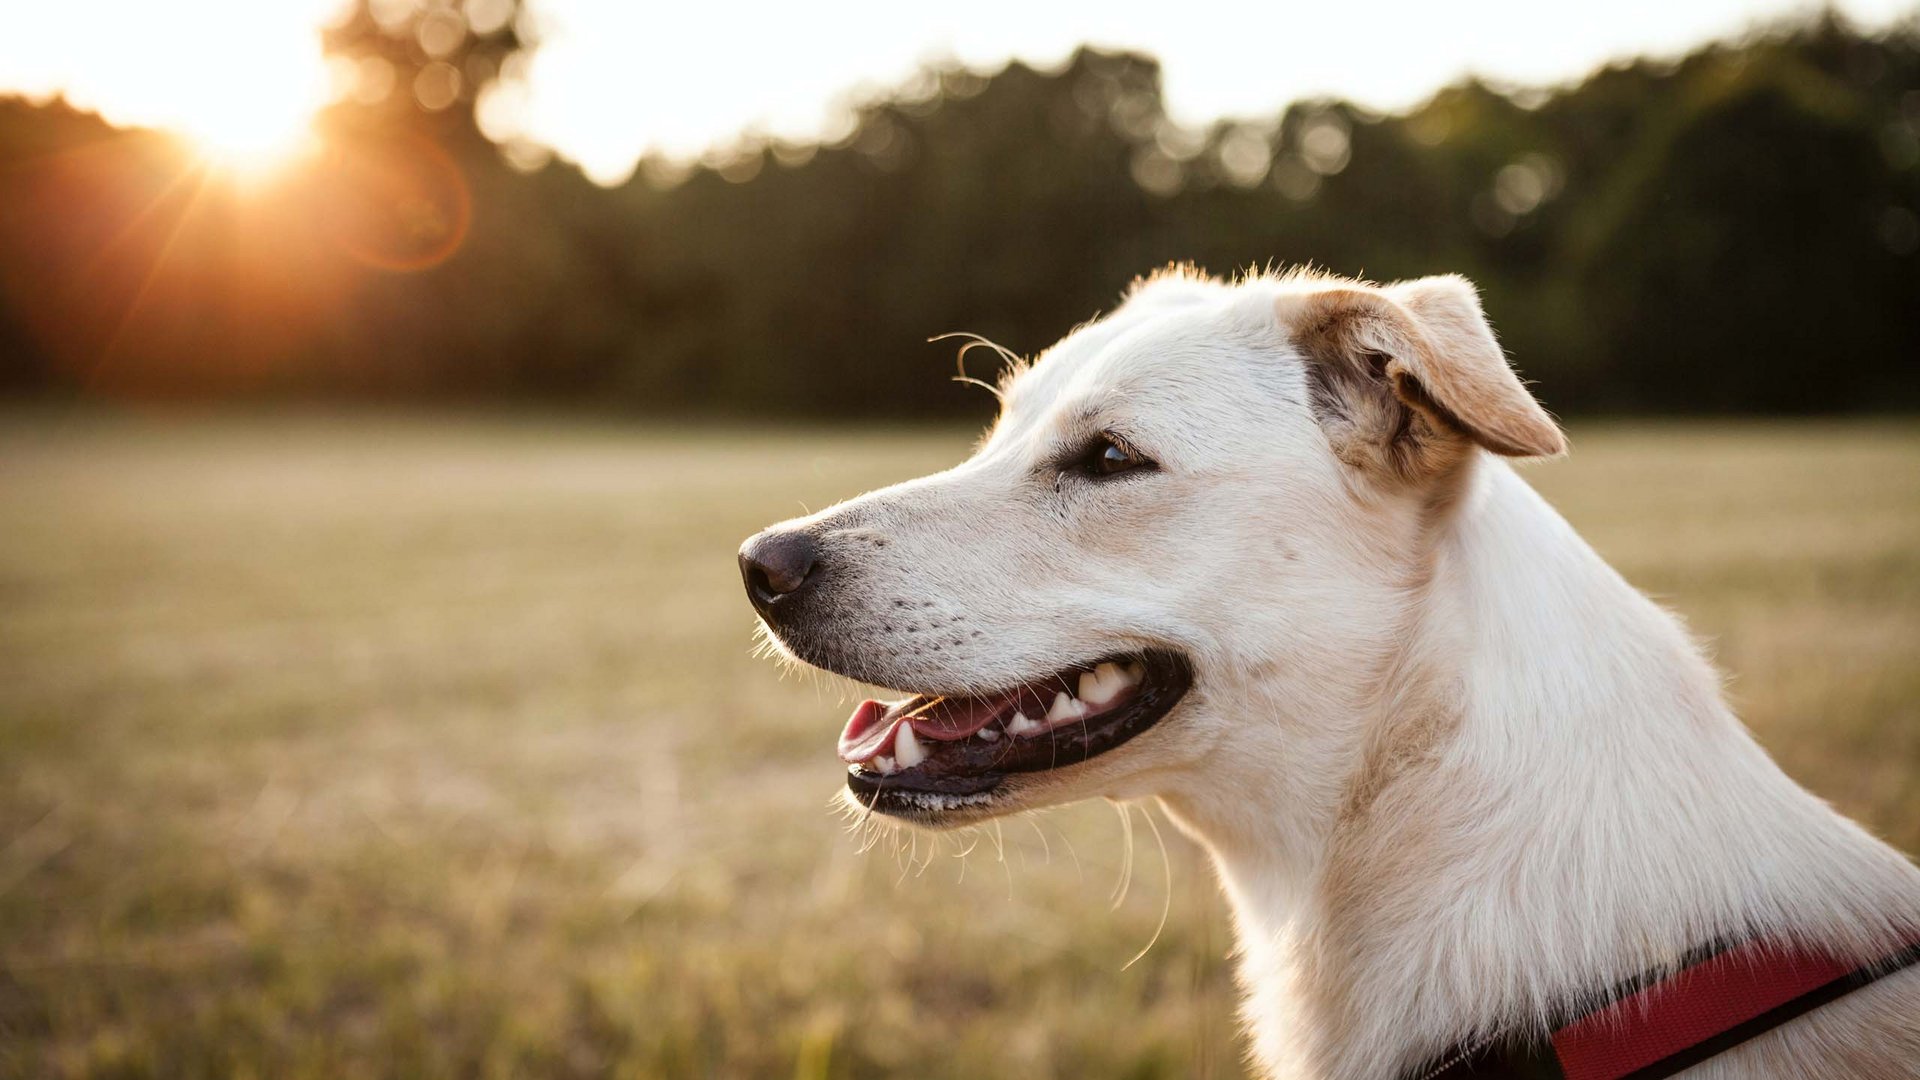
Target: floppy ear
[{"x": 1406, "y": 377}]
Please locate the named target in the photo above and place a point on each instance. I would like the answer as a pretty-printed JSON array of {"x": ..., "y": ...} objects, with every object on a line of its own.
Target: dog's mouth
[{"x": 928, "y": 753}]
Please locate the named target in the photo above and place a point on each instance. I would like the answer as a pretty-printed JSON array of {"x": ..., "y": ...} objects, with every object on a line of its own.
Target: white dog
[{"x": 1251, "y": 550}]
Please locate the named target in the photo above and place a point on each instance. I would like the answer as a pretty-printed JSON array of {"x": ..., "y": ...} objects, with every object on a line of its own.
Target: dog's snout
[{"x": 777, "y": 566}]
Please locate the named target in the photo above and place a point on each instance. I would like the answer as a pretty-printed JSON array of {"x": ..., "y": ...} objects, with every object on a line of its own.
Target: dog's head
[{"x": 1196, "y": 521}]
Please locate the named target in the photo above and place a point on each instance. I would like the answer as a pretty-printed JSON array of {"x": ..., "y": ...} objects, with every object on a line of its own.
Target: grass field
[{"x": 382, "y": 746}]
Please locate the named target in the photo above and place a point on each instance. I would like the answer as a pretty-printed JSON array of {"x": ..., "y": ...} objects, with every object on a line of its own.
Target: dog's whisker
[
  {"x": 913, "y": 851},
  {"x": 973, "y": 832},
  {"x": 1079, "y": 871},
  {"x": 1044, "y": 846},
  {"x": 1012, "y": 361},
  {"x": 1125, "y": 878},
  {"x": 1166, "y": 878},
  {"x": 933, "y": 849},
  {"x": 1000, "y": 842}
]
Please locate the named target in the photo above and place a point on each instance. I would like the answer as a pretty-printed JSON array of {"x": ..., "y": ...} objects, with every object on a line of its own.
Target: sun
[
  {"x": 251, "y": 138},
  {"x": 239, "y": 81}
]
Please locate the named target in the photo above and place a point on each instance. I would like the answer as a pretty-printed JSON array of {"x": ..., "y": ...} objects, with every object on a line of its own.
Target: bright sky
[{"x": 615, "y": 77}]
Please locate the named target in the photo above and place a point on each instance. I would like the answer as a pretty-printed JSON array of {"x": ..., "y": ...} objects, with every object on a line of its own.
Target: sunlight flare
[{"x": 251, "y": 139}]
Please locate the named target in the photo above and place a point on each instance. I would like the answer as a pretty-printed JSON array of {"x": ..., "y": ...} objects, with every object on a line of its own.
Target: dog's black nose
[{"x": 777, "y": 565}]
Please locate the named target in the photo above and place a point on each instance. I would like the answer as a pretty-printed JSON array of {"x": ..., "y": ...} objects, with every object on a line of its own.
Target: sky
[{"x": 614, "y": 78}]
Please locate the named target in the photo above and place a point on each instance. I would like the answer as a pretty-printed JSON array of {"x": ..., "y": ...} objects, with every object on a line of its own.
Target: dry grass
[{"x": 433, "y": 747}]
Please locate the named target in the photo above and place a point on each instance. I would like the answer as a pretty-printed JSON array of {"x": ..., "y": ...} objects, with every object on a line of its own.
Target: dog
[{"x": 1254, "y": 549}]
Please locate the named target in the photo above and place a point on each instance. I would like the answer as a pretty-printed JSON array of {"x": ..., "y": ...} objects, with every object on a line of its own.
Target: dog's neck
[{"x": 1543, "y": 794}]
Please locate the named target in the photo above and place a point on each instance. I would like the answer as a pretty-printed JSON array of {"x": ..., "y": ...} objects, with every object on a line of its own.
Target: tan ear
[
  {"x": 1467, "y": 374},
  {"x": 1403, "y": 374}
]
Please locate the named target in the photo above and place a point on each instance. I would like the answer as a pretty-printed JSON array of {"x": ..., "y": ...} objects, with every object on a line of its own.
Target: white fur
[{"x": 1454, "y": 771}]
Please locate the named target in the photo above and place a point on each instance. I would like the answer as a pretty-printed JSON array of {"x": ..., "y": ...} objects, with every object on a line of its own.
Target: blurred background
[{"x": 385, "y": 387}]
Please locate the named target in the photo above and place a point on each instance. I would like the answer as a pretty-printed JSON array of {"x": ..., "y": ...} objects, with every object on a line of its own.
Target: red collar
[{"x": 1655, "y": 1027}]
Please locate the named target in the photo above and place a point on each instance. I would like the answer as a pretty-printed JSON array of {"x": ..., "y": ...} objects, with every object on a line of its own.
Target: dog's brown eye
[{"x": 1109, "y": 456}]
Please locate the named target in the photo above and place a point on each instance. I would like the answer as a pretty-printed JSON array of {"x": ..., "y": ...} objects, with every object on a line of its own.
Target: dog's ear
[{"x": 1406, "y": 377}]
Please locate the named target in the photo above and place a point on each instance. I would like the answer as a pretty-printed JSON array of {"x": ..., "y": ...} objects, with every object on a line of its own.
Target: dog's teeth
[
  {"x": 882, "y": 765},
  {"x": 1093, "y": 686},
  {"x": 1103, "y": 684},
  {"x": 1133, "y": 672},
  {"x": 907, "y": 749},
  {"x": 987, "y": 734},
  {"x": 1020, "y": 725},
  {"x": 1065, "y": 707}
]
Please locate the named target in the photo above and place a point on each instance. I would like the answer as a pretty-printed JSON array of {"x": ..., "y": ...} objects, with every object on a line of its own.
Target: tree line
[{"x": 1735, "y": 230}]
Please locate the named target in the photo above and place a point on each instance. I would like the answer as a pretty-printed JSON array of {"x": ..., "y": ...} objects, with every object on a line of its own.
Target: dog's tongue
[{"x": 869, "y": 731}]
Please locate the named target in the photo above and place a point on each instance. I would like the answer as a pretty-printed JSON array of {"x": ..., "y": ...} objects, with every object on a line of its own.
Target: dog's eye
[{"x": 1108, "y": 456}]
